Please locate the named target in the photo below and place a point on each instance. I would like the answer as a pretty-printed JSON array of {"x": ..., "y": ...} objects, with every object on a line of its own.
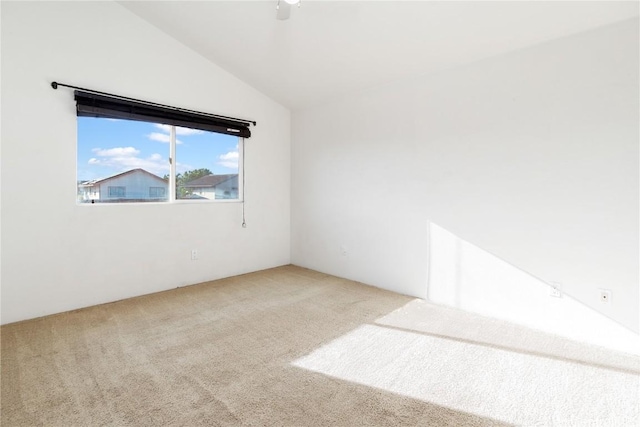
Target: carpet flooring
[{"x": 293, "y": 347}]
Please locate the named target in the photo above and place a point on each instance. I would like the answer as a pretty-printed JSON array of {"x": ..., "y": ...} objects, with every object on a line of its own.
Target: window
[
  {"x": 157, "y": 192},
  {"x": 130, "y": 161},
  {"x": 125, "y": 155},
  {"x": 117, "y": 192}
]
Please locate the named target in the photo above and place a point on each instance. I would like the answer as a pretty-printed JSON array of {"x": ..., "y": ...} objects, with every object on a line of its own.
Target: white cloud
[
  {"x": 231, "y": 155},
  {"x": 126, "y": 158},
  {"x": 229, "y": 160},
  {"x": 164, "y": 128},
  {"x": 188, "y": 131},
  {"x": 161, "y": 137},
  {"x": 179, "y": 130},
  {"x": 115, "y": 152}
]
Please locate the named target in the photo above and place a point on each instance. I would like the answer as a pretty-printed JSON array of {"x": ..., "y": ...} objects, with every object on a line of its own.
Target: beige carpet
[{"x": 293, "y": 347}]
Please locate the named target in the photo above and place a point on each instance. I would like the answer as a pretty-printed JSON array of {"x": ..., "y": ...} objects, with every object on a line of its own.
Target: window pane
[
  {"x": 207, "y": 165},
  {"x": 122, "y": 161},
  {"x": 117, "y": 192},
  {"x": 157, "y": 192}
]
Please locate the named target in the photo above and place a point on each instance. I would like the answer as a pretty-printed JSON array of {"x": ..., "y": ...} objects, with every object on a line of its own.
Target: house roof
[
  {"x": 93, "y": 182},
  {"x": 209, "y": 180}
]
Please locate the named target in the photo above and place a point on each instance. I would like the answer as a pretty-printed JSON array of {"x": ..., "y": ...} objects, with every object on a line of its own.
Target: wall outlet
[
  {"x": 343, "y": 250},
  {"x": 194, "y": 254},
  {"x": 556, "y": 289},
  {"x": 605, "y": 296}
]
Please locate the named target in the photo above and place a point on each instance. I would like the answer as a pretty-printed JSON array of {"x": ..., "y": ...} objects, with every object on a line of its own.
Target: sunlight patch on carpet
[{"x": 508, "y": 386}]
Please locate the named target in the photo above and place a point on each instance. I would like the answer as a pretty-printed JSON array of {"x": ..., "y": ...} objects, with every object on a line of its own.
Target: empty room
[{"x": 320, "y": 213}]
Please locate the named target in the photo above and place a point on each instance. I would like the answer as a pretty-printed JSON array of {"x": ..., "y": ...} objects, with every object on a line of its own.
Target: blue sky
[{"x": 107, "y": 147}]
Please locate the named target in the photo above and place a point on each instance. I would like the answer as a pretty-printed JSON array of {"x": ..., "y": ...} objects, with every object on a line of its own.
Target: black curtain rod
[{"x": 56, "y": 84}]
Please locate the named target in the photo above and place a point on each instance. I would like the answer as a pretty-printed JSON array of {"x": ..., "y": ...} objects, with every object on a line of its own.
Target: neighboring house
[
  {"x": 214, "y": 186},
  {"x": 130, "y": 186}
]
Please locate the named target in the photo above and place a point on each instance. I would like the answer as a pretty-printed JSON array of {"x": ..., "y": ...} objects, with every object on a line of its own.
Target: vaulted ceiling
[{"x": 331, "y": 48}]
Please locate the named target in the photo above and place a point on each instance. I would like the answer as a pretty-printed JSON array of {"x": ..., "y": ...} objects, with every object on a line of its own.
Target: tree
[
  {"x": 192, "y": 175},
  {"x": 188, "y": 176}
]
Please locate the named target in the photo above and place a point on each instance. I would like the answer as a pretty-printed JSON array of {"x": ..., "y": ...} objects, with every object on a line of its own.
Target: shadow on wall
[{"x": 464, "y": 276}]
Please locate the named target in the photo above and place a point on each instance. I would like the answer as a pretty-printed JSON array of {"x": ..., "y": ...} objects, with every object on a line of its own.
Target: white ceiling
[{"x": 330, "y": 48}]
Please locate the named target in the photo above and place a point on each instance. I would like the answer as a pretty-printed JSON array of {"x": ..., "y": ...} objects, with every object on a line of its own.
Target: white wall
[
  {"x": 58, "y": 256},
  {"x": 531, "y": 156}
]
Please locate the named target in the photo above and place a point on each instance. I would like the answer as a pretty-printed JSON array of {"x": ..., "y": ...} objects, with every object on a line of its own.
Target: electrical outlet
[
  {"x": 194, "y": 254},
  {"x": 343, "y": 250},
  {"x": 556, "y": 289},
  {"x": 605, "y": 296}
]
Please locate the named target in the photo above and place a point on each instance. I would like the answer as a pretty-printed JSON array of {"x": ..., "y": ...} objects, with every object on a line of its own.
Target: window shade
[{"x": 96, "y": 105}]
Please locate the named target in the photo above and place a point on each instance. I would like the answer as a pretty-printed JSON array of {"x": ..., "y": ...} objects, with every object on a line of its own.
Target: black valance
[{"x": 90, "y": 104}]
